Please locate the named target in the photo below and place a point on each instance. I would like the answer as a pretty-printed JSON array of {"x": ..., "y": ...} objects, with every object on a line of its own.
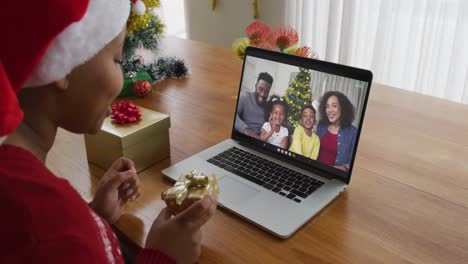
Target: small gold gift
[
  {"x": 190, "y": 188},
  {"x": 145, "y": 141}
]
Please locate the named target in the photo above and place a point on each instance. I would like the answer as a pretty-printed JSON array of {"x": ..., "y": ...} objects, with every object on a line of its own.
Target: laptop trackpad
[{"x": 233, "y": 191}]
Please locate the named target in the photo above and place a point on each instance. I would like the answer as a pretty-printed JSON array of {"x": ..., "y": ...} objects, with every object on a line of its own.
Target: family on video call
[{"x": 325, "y": 134}]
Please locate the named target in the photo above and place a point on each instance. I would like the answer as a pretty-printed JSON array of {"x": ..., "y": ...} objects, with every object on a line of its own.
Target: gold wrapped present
[
  {"x": 145, "y": 141},
  {"x": 190, "y": 188}
]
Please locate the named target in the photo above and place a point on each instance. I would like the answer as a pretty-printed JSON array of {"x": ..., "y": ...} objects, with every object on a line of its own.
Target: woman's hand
[
  {"x": 180, "y": 236},
  {"x": 119, "y": 184}
]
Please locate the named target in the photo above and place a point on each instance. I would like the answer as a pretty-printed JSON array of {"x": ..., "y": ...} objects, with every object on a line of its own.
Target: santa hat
[{"x": 43, "y": 41}]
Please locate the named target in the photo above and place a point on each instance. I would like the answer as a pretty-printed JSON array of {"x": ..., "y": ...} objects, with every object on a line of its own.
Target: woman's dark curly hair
[
  {"x": 276, "y": 100},
  {"x": 347, "y": 109}
]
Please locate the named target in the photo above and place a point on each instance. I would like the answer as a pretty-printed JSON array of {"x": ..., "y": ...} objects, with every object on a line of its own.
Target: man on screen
[{"x": 250, "y": 114}]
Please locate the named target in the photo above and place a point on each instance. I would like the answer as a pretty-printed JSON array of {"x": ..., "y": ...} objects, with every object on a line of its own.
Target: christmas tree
[
  {"x": 297, "y": 95},
  {"x": 145, "y": 30}
]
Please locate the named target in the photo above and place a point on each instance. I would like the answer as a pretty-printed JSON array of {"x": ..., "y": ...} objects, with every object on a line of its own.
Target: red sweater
[
  {"x": 328, "y": 149},
  {"x": 45, "y": 220}
]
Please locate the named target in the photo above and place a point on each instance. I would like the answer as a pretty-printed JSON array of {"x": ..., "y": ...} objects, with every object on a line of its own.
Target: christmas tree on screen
[{"x": 297, "y": 95}]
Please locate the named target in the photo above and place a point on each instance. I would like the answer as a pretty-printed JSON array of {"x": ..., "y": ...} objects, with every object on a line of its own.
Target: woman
[
  {"x": 335, "y": 130},
  {"x": 70, "y": 65}
]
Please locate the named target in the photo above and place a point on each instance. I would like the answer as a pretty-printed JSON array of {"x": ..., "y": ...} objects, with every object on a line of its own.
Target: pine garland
[
  {"x": 148, "y": 38},
  {"x": 164, "y": 67},
  {"x": 145, "y": 31}
]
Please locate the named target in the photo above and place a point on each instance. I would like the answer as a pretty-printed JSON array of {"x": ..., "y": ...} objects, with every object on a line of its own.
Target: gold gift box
[
  {"x": 145, "y": 142},
  {"x": 190, "y": 188}
]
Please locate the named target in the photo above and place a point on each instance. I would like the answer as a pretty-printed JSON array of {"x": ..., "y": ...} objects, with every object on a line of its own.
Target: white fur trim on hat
[{"x": 81, "y": 41}]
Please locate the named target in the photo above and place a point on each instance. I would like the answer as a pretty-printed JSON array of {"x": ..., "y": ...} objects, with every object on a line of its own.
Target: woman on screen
[{"x": 335, "y": 130}]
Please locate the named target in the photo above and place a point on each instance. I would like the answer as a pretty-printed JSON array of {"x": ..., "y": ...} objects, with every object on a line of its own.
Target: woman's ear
[{"x": 62, "y": 84}]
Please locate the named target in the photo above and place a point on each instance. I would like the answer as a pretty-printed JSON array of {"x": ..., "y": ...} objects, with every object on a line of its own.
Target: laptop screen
[{"x": 304, "y": 110}]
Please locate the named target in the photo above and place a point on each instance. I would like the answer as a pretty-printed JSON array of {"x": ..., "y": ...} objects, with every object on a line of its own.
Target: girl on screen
[
  {"x": 335, "y": 130},
  {"x": 273, "y": 130}
]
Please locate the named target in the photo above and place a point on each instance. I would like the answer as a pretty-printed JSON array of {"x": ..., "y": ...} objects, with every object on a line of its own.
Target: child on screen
[
  {"x": 304, "y": 141},
  {"x": 273, "y": 131}
]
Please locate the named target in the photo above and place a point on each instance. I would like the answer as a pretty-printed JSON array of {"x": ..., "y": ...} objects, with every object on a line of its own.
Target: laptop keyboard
[{"x": 272, "y": 176}]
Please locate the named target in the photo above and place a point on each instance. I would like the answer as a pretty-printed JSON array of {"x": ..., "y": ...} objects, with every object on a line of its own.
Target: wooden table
[{"x": 408, "y": 198}]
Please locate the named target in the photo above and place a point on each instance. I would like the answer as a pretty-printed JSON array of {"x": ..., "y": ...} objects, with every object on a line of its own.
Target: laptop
[{"x": 279, "y": 185}]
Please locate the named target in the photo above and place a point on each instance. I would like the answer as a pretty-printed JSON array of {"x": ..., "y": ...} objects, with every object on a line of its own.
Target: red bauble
[
  {"x": 125, "y": 112},
  {"x": 142, "y": 88}
]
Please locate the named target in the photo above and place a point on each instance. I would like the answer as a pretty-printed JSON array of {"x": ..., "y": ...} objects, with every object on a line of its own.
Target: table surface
[{"x": 408, "y": 197}]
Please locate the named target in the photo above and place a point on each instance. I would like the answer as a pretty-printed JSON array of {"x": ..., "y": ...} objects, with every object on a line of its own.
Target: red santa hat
[{"x": 43, "y": 41}]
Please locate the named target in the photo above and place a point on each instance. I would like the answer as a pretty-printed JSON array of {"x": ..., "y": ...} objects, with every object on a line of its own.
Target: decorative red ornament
[
  {"x": 283, "y": 37},
  {"x": 125, "y": 112},
  {"x": 142, "y": 88},
  {"x": 257, "y": 32},
  {"x": 303, "y": 51},
  {"x": 264, "y": 45}
]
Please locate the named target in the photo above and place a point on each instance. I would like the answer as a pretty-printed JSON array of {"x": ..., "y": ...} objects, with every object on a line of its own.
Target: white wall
[
  {"x": 281, "y": 74},
  {"x": 172, "y": 14},
  {"x": 229, "y": 20}
]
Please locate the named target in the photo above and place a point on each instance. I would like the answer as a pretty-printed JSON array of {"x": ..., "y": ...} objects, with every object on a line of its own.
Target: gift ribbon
[
  {"x": 125, "y": 112},
  {"x": 180, "y": 190}
]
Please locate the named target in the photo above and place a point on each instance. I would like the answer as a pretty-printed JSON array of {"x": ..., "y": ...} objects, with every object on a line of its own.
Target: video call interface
[{"x": 307, "y": 115}]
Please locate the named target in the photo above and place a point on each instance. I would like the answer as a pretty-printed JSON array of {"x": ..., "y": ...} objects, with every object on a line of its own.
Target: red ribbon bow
[{"x": 125, "y": 112}]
